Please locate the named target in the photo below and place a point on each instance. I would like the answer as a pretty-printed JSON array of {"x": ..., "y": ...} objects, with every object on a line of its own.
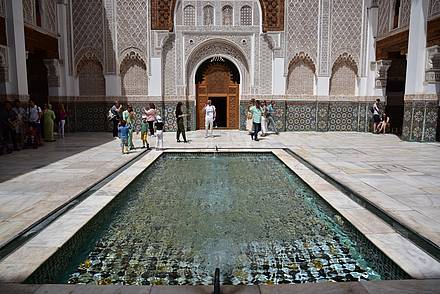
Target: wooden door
[{"x": 217, "y": 82}]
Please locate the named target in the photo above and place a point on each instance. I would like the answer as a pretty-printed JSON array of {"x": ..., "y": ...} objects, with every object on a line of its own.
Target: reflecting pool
[{"x": 247, "y": 214}]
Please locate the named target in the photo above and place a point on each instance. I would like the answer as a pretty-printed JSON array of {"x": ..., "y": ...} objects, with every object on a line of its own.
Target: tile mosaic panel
[
  {"x": 420, "y": 121},
  {"x": 343, "y": 116},
  {"x": 323, "y": 113},
  {"x": 301, "y": 116}
]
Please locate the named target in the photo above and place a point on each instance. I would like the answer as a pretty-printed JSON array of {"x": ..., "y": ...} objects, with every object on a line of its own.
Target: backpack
[
  {"x": 371, "y": 109},
  {"x": 111, "y": 115}
]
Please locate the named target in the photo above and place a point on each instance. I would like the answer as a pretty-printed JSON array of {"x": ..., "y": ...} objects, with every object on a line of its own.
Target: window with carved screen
[
  {"x": 208, "y": 15},
  {"x": 189, "y": 15},
  {"x": 227, "y": 15},
  {"x": 246, "y": 16}
]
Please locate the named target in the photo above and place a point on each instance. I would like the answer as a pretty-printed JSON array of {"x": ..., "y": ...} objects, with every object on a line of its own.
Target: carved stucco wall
[
  {"x": 346, "y": 31},
  {"x": 383, "y": 25},
  {"x": 88, "y": 29},
  {"x": 302, "y": 28},
  {"x": 132, "y": 39},
  {"x": 162, "y": 14},
  {"x": 434, "y": 8},
  {"x": 301, "y": 75}
]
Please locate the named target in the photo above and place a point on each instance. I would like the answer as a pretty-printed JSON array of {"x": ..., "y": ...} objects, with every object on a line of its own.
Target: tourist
[
  {"x": 20, "y": 127},
  {"x": 249, "y": 124},
  {"x": 144, "y": 132},
  {"x": 210, "y": 115},
  {"x": 256, "y": 119},
  {"x": 263, "y": 119},
  {"x": 129, "y": 116},
  {"x": 159, "y": 132},
  {"x": 384, "y": 122},
  {"x": 62, "y": 114},
  {"x": 48, "y": 123},
  {"x": 123, "y": 131},
  {"x": 269, "y": 115},
  {"x": 115, "y": 117},
  {"x": 11, "y": 125},
  {"x": 180, "y": 124},
  {"x": 34, "y": 114},
  {"x": 376, "y": 115},
  {"x": 151, "y": 117}
]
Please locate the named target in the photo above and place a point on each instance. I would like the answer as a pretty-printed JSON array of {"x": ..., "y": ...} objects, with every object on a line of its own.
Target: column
[
  {"x": 323, "y": 74},
  {"x": 421, "y": 100},
  {"x": 17, "y": 50},
  {"x": 155, "y": 81},
  {"x": 112, "y": 85},
  {"x": 278, "y": 78},
  {"x": 415, "y": 69}
]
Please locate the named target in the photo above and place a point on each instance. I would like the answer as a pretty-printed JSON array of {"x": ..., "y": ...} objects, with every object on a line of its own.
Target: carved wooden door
[{"x": 217, "y": 82}]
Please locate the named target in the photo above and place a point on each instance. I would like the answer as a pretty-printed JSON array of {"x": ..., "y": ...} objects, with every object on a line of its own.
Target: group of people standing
[
  {"x": 26, "y": 124},
  {"x": 124, "y": 125},
  {"x": 260, "y": 117}
]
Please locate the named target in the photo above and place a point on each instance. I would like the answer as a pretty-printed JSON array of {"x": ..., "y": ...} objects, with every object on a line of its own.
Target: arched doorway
[
  {"x": 218, "y": 80},
  {"x": 37, "y": 80}
]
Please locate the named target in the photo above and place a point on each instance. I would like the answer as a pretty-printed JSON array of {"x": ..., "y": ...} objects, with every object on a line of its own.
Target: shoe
[
  {"x": 148, "y": 148},
  {"x": 178, "y": 141},
  {"x": 185, "y": 141},
  {"x": 257, "y": 140},
  {"x": 142, "y": 147}
]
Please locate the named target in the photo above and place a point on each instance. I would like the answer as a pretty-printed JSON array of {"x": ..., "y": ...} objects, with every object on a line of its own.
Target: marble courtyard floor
[{"x": 400, "y": 178}]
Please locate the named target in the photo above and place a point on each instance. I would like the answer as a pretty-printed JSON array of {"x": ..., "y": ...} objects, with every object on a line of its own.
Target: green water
[{"x": 247, "y": 214}]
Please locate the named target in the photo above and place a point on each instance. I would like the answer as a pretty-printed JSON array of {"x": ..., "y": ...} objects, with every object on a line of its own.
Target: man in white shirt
[
  {"x": 209, "y": 117},
  {"x": 376, "y": 115},
  {"x": 34, "y": 114}
]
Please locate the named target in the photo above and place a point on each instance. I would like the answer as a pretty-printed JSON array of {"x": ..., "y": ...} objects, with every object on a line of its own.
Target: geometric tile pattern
[
  {"x": 301, "y": 116},
  {"x": 420, "y": 121}
]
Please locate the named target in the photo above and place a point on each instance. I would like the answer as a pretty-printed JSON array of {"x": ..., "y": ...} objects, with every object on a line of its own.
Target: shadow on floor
[{"x": 20, "y": 162}]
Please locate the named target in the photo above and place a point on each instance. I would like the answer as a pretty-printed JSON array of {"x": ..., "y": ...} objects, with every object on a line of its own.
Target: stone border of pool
[{"x": 20, "y": 264}]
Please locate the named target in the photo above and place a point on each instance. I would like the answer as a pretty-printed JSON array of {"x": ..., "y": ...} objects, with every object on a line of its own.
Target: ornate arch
[
  {"x": 162, "y": 14},
  {"x": 217, "y": 47},
  {"x": 90, "y": 74},
  {"x": 85, "y": 55},
  {"x": 301, "y": 75},
  {"x": 133, "y": 71},
  {"x": 344, "y": 75}
]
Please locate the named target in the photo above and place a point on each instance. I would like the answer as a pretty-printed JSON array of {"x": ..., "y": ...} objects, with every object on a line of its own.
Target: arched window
[
  {"x": 227, "y": 15},
  {"x": 189, "y": 15},
  {"x": 246, "y": 16},
  {"x": 343, "y": 78},
  {"x": 396, "y": 14},
  {"x": 208, "y": 15},
  {"x": 134, "y": 76},
  {"x": 301, "y": 76},
  {"x": 91, "y": 79}
]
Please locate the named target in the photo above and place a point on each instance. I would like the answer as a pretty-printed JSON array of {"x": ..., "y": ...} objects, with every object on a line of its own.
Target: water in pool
[{"x": 247, "y": 214}]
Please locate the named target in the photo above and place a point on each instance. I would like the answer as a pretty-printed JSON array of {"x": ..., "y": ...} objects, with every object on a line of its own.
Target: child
[
  {"x": 159, "y": 133},
  {"x": 144, "y": 132},
  {"x": 123, "y": 135}
]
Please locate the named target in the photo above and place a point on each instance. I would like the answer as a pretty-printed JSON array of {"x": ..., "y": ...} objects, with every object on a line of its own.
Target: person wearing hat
[{"x": 159, "y": 132}]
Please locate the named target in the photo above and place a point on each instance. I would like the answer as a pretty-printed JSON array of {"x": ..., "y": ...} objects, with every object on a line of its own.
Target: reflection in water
[{"x": 247, "y": 214}]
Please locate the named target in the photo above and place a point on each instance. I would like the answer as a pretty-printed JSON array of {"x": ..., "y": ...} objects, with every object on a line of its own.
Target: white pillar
[
  {"x": 415, "y": 68},
  {"x": 16, "y": 49},
  {"x": 368, "y": 86},
  {"x": 112, "y": 85},
  {"x": 155, "y": 81},
  {"x": 323, "y": 86},
  {"x": 278, "y": 78}
]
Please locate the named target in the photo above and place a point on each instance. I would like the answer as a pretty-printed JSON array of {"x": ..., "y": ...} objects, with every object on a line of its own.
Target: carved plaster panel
[
  {"x": 434, "y": 8},
  {"x": 432, "y": 68},
  {"x": 2, "y": 8},
  {"x": 382, "y": 67},
  {"x": 4, "y": 64},
  {"x": 53, "y": 75},
  {"x": 29, "y": 11}
]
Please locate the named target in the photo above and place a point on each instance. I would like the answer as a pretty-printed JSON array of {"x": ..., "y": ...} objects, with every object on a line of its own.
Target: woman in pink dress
[{"x": 151, "y": 117}]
